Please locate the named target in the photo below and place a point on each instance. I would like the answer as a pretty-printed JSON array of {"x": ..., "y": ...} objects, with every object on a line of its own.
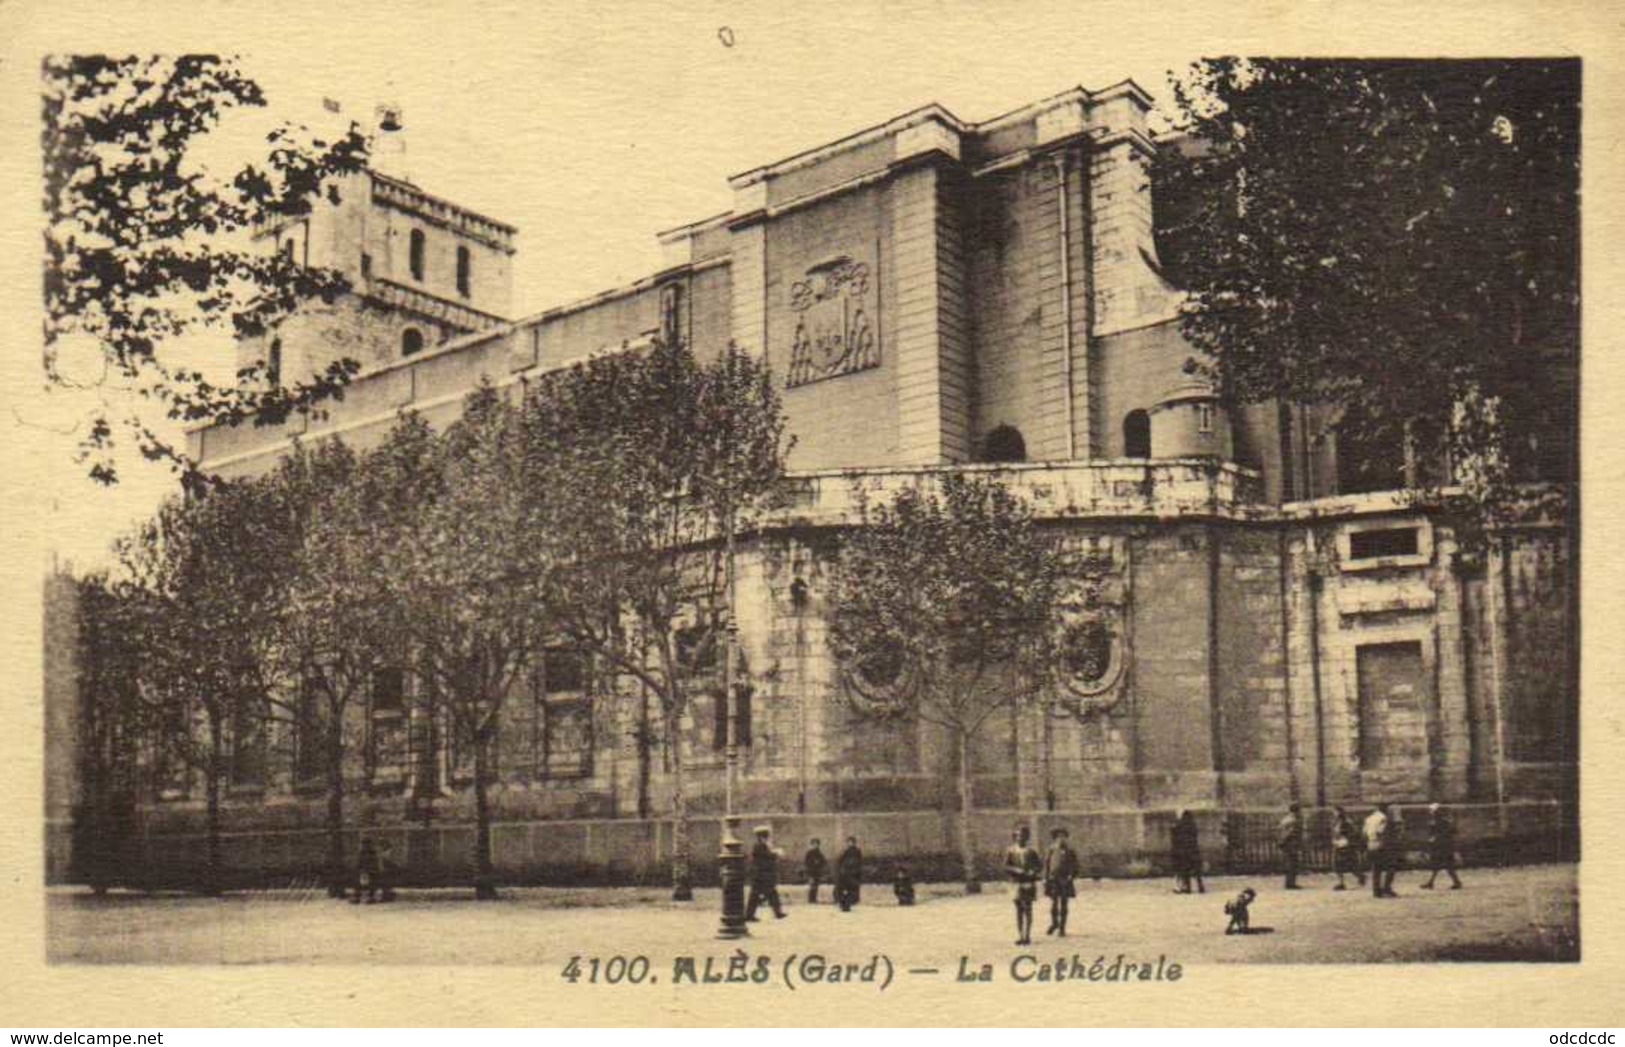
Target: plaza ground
[{"x": 1511, "y": 914}]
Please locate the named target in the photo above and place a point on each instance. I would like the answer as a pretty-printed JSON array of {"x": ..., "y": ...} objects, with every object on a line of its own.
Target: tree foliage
[
  {"x": 207, "y": 574},
  {"x": 655, "y": 457},
  {"x": 144, "y": 245},
  {"x": 944, "y": 609},
  {"x": 468, "y": 563},
  {"x": 1395, "y": 240}
]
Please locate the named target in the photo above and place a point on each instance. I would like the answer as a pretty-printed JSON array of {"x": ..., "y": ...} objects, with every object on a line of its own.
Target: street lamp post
[{"x": 731, "y": 860}]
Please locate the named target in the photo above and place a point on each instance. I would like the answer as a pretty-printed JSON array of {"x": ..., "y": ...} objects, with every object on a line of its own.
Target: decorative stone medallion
[
  {"x": 1089, "y": 667},
  {"x": 880, "y": 681}
]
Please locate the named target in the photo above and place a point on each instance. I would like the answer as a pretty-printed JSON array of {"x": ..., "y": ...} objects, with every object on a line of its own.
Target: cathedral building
[{"x": 935, "y": 295}]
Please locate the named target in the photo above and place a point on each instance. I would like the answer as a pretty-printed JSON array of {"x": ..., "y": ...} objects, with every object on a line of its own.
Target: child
[
  {"x": 1237, "y": 911},
  {"x": 903, "y": 886}
]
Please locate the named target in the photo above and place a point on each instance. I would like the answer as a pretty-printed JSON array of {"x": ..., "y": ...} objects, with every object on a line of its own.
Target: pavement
[{"x": 1527, "y": 913}]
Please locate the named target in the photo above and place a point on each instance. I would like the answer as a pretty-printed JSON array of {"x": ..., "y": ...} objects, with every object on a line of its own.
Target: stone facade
[{"x": 920, "y": 288}]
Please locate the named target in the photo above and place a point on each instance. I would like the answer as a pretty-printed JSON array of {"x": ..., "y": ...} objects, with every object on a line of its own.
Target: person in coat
[
  {"x": 1289, "y": 837},
  {"x": 816, "y": 867},
  {"x": 1441, "y": 846},
  {"x": 1186, "y": 854},
  {"x": 848, "y": 875},
  {"x": 764, "y": 875},
  {"x": 1060, "y": 870},
  {"x": 1345, "y": 849},
  {"x": 366, "y": 874}
]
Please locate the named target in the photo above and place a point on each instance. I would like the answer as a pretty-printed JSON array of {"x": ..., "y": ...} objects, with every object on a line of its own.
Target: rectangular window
[
  {"x": 743, "y": 694},
  {"x": 1204, "y": 418},
  {"x": 387, "y": 740},
  {"x": 366, "y": 265},
  {"x": 566, "y": 739},
  {"x": 1388, "y": 541},
  {"x": 563, "y": 671},
  {"x": 248, "y": 746},
  {"x": 308, "y": 732},
  {"x": 388, "y": 690},
  {"x": 464, "y": 272}
]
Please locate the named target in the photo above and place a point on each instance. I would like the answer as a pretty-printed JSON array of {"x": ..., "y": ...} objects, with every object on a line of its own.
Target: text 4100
[{"x": 616, "y": 970}]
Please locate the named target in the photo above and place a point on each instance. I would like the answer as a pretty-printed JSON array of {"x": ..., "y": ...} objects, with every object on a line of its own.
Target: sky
[{"x": 592, "y": 128}]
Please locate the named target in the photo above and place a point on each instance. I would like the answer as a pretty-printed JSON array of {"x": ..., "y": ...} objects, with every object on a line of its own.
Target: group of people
[
  {"x": 1056, "y": 869},
  {"x": 1377, "y": 844},
  {"x": 848, "y": 882}
]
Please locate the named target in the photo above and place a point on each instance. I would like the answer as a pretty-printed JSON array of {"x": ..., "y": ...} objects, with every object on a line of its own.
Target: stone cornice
[{"x": 432, "y": 306}]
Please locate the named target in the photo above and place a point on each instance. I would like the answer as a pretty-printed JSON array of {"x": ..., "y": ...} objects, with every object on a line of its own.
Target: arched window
[
  {"x": 465, "y": 266},
  {"x": 273, "y": 363},
  {"x": 1137, "y": 435},
  {"x": 1004, "y": 444},
  {"x": 411, "y": 341},
  {"x": 416, "y": 256}
]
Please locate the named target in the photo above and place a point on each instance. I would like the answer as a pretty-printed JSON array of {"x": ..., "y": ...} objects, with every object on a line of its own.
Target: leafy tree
[
  {"x": 468, "y": 562},
  {"x": 332, "y": 629},
  {"x": 112, "y": 728},
  {"x": 1395, "y": 240},
  {"x": 145, "y": 246},
  {"x": 207, "y": 574},
  {"x": 656, "y": 459},
  {"x": 943, "y": 610}
]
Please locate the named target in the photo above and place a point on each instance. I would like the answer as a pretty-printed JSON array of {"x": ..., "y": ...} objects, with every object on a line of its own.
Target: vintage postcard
[{"x": 925, "y": 514}]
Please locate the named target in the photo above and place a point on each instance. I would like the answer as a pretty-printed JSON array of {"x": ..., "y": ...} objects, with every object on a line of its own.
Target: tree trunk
[
  {"x": 211, "y": 861},
  {"x": 336, "y": 865},
  {"x": 485, "y": 886},
  {"x": 645, "y": 753},
  {"x": 682, "y": 877},
  {"x": 967, "y": 845}
]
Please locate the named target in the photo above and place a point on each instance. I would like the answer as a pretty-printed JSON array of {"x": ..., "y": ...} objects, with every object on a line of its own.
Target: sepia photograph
[{"x": 727, "y": 500}]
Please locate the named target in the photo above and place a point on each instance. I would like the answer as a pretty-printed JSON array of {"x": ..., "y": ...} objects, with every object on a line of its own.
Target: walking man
[
  {"x": 1441, "y": 846},
  {"x": 1060, "y": 869},
  {"x": 1290, "y": 839},
  {"x": 817, "y": 869},
  {"x": 1381, "y": 842},
  {"x": 1025, "y": 867},
  {"x": 764, "y": 875}
]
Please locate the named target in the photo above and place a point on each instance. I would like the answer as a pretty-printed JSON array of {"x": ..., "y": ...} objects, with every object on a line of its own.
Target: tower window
[
  {"x": 1204, "y": 418},
  {"x": 366, "y": 265},
  {"x": 288, "y": 248},
  {"x": 1137, "y": 435},
  {"x": 411, "y": 341},
  {"x": 465, "y": 266},
  {"x": 273, "y": 363},
  {"x": 416, "y": 255}
]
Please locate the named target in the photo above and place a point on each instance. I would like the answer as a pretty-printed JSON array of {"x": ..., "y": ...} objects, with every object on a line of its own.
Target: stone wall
[{"x": 1255, "y": 662}]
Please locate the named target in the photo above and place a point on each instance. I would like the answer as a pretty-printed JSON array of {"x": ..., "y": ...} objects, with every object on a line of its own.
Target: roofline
[
  {"x": 511, "y": 230},
  {"x": 941, "y": 113}
]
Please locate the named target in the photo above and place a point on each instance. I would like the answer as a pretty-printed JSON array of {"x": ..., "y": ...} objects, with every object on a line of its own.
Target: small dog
[{"x": 1237, "y": 911}]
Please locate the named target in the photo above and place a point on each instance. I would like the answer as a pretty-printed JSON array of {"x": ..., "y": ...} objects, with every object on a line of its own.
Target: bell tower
[{"x": 422, "y": 269}]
